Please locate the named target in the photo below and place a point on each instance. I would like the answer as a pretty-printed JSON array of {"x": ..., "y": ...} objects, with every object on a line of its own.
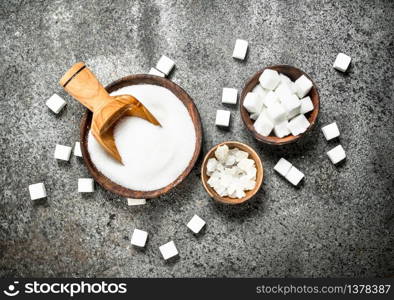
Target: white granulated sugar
[{"x": 152, "y": 156}]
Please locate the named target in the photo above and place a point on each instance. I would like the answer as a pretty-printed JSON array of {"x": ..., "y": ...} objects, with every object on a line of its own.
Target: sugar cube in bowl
[{"x": 286, "y": 98}]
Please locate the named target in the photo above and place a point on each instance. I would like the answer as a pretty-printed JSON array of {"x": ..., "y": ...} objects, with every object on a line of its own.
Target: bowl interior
[
  {"x": 293, "y": 73},
  {"x": 259, "y": 174},
  {"x": 133, "y": 80}
]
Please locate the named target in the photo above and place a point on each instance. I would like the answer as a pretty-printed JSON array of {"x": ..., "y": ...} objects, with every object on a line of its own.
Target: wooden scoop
[{"x": 81, "y": 84}]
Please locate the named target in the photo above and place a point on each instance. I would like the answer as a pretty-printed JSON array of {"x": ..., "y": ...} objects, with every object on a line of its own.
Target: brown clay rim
[
  {"x": 259, "y": 173},
  {"x": 104, "y": 181},
  {"x": 293, "y": 73}
]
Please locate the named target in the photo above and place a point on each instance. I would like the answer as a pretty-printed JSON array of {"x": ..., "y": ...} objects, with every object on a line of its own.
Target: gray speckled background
[{"x": 338, "y": 223}]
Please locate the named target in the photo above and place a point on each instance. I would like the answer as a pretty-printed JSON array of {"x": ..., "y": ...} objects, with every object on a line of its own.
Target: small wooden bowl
[
  {"x": 293, "y": 73},
  {"x": 86, "y": 121},
  {"x": 259, "y": 174}
]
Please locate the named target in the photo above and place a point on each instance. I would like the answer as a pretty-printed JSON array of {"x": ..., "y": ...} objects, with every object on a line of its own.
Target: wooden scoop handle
[{"x": 81, "y": 84}]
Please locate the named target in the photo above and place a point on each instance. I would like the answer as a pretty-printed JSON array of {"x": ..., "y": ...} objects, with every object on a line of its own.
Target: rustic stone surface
[{"x": 338, "y": 223}]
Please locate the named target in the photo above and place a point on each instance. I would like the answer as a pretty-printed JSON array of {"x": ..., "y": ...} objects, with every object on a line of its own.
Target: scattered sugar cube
[
  {"x": 303, "y": 85},
  {"x": 229, "y": 96},
  {"x": 282, "y": 129},
  {"x": 165, "y": 65},
  {"x": 134, "y": 202},
  {"x": 139, "y": 238},
  {"x": 294, "y": 176},
  {"x": 77, "y": 149},
  {"x": 222, "y": 152},
  {"x": 168, "y": 250},
  {"x": 283, "y": 167},
  {"x": 85, "y": 185},
  {"x": 298, "y": 125},
  {"x": 37, "y": 191},
  {"x": 276, "y": 112},
  {"x": 263, "y": 125},
  {"x": 330, "y": 131},
  {"x": 336, "y": 154},
  {"x": 306, "y": 105},
  {"x": 196, "y": 224},
  {"x": 240, "y": 49},
  {"x": 259, "y": 90},
  {"x": 253, "y": 103},
  {"x": 292, "y": 105},
  {"x": 269, "y": 79},
  {"x": 271, "y": 98},
  {"x": 62, "y": 152},
  {"x": 56, "y": 103},
  {"x": 156, "y": 72},
  {"x": 342, "y": 62},
  {"x": 222, "y": 118}
]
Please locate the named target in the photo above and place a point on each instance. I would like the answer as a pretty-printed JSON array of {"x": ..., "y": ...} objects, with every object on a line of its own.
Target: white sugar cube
[
  {"x": 259, "y": 90},
  {"x": 269, "y": 79},
  {"x": 303, "y": 86},
  {"x": 196, "y": 224},
  {"x": 336, "y": 154},
  {"x": 134, "y": 202},
  {"x": 165, "y": 65},
  {"x": 306, "y": 105},
  {"x": 283, "y": 91},
  {"x": 342, "y": 62},
  {"x": 37, "y": 191},
  {"x": 283, "y": 167},
  {"x": 55, "y": 103},
  {"x": 271, "y": 98},
  {"x": 298, "y": 125},
  {"x": 77, "y": 149},
  {"x": 240, "y": 49},
  {"x": 277, "y": 112},
  {"x": 263, "y": 125},
  {"x": 286, "y": 80},
  {"x": 254, "y": 116},
  {"x": 211, "y": 165},
  {"x": 139, "y": 238},
  {"x": 221, "y": 153},
  {"x": 282, "y": 129},
  {"x": 156, "y": 72},
  {"x": 294, "y": 176},
  {"x": 253, "y": 103},
  {"x": 168, "y": 250},
  {"x": 222, "y": 118},
  {"x": 62, "y": 152},
  {"x": 85, "y": 185},
  {"x": 246, "y": 164},
  {"x": 292, "y": 105},
  {"x": 229, "y": 96},
  {"x": 330, "y": 131}
]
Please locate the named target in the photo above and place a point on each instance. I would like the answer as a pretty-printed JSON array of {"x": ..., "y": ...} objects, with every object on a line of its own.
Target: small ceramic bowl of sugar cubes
[
  {"x": 232, "y": 172},
  {"x": 279, "y": 104}
]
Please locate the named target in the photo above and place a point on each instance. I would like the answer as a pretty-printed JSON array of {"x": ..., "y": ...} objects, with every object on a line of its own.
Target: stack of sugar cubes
[
  {"x": 231, "y": 172},
  {"x": 278, "y": 104}
]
